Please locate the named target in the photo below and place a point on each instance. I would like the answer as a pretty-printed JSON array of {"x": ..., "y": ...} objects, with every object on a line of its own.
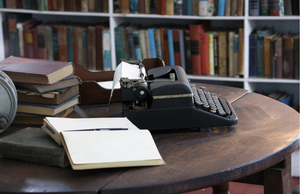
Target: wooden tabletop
[{"x": 266, "y": 134}]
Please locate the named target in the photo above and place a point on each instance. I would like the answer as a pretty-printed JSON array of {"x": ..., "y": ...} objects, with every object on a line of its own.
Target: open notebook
[{"x": 90, "y": 144}]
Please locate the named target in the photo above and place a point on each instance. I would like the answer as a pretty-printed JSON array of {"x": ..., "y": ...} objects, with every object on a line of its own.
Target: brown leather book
[
  {"x": 61, "y": 5},
  {"x": 36, "y": 71},
  {"x": 223, "y": 53},
  {"x": 91, "y": 5},
  {"x": 42, "y": 43},
  {"x": 55, "y": 97},
  {"x": 12, "y": 4},
  {"x": 28, "y": 37},
  {"x": 240, "y": 7},
  {"x": 91, "y": 49},
  {"x": 105, "y": 6},
  {"x": 195, "y": 7},
  {"x": 204, "y": 53},
  {"x": 234, "y": 10},
  {"x": 99, "y": 57},
  {"x": 35, "y": 43},
  {"x": 241, "y": 52},
  {"x": 163, "y": 7},
  {"x": 55, "y": 5},
  {"x": 141, "y": 6},
  {"x": 125, "y": 6},
  {"x": 62, "y": 43},
  {"x": 288, "y": 56},
  {"x": 31, "y": 119},
  {"x": 278, "y": 56}
]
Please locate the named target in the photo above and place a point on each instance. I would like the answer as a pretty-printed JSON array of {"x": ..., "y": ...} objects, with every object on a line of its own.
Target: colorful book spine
[
  {"x": 221, "y": 7},
  {"x": 106, "y": 50},
  {"x": 133, "y": 6},
  {"x": 70, "y": 43},
  {"x": 152, "y": 42},
  {"x": 264, "y": 7},
  {"x": 236, "y": 54},
  {"x": 203, "y": 5},
  {"x": 177, "y": 7},
  {"x": 189, "y": 7},
  {"x": 137, "y": 46},
  {"x": 158, "y": 45},
  {"x": 253, "y": 7},
  {"x": 210, "y": 7},
  {"x": 253, "y": 55},
  {"x": 119, "y": 45},
  {"x": 274, "y": 7},
  {"x": 211, "y": 53},
  {"x": 171, "y": 47}
]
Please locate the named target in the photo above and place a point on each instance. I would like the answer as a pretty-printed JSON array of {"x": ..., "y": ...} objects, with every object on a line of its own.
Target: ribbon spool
[{"x": 8, "y": 101}]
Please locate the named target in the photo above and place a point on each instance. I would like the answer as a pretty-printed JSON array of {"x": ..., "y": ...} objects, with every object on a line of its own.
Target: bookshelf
[{"x": 283, "y": 24}]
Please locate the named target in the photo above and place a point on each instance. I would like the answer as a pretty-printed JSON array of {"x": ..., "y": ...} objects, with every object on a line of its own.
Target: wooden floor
[{"x": 240, "y": 188}]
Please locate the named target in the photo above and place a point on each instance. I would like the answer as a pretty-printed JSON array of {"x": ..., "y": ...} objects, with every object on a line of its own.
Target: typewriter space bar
[{"x": 225, "y": 106}]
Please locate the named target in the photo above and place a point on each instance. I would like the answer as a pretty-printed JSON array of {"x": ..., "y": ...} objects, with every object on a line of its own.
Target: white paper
[{"x": 131, "y": 71}]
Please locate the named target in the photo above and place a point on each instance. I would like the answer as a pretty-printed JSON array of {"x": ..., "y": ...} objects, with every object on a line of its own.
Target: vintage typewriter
[{"x": 164, "y": 99}]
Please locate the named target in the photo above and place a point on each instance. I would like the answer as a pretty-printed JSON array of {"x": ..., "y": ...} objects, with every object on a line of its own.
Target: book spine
[
  {"x": 6, "y": 38},
  {"x": 70, "y": 44},
  {"x": 204, "y": 53},
  {"x": 196, "y": 7},
  {"x": 234, "y": 8},
  {"x": 75, "y": 45},
  {"x": 163, "y": 7},
  {"x": 222, "y": 53},
  {"x": 231, "y": 54},
  {"x": 227, "y": 7},
  {"x": 253, "y": 55},
  {"x": 106, "y": 50},
  {"x": 91, "y": 47},
  {"x": 278, "y": 57},
  {"x": 55, "y": 44},
  {"x": 133, "y": 6},
  {"x": 130, "y": 41},
  {"x": 116, "y": 6},
  {"x": 177, "y": 7},
  {"x": 42, "y": 155},
  {"x": 99, "y": 57},
  {"x": 288, "y": 57},
  {"x": 260, "y": 57},
  {"x": 141, "y": 6},
  {"x": 254, "y": 7},
  {"x": 221, "y": 7},
  {"x": 13, "y": 35},
  {"x": 158, "y": 43},
  {"x": 152, "y": 42},
  {"x": 137, "y": 46},
  {"x": 188, "y": 68},
  {"x": 267, "y": 57},
  {"x": 166, "y": 46},
  {"x": 62, "y": 43},
  {"x": 35, "y": 43},
  {"x": 42, "y": 44},
  {"x": 216, "y": 52},
  {"x": 171, "y": 47},
  {"x": 152, "y": 6},
  {"x": 175, "y": 35},
  {"x": 241, "y": 52},
  {"x": 203, "y": 5},
  {"x": 236, "y": 54},
  {"x": 195, "y": 49},
  {"x": 169, "y": 7},
  {"x": 49, "y": 42},
  {"x": 182, "y": 49},
  {"x": 84, "y": 6},
  {"x": 125, "y": 6},
  {"x": 287, "y": 7},
  {"x": 274, "y": 7},
  {"x": 211, "y": 53},
  {"x": 210, "y": 7}
]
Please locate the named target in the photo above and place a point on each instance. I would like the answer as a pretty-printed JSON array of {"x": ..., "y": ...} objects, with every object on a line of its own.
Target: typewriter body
[{"x": 164, "y": 99}]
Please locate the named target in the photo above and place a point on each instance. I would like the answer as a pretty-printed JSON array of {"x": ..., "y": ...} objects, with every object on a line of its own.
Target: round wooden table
[{"x": 256, "y": 150}]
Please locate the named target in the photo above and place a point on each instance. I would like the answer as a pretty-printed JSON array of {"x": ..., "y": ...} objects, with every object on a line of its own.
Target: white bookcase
[{"x": 282, "y": 24}]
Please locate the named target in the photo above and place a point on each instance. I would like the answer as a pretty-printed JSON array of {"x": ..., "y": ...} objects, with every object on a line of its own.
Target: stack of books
[{"x": 44, "y": 88}]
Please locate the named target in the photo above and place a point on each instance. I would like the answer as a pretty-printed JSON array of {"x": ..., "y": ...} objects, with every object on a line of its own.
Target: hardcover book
[
  {"x": 55, "y": 97},
  {"x": 111, "y": 142},
  {"x": 36, "y": 71},
  {"x": 288, "y": 56},
  {"x": 33, "y": 145},
  {"x": 47, "y": 109}
]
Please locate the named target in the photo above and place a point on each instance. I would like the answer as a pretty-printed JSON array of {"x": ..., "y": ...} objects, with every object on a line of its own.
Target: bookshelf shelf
[{"x": 282, "y": 24}]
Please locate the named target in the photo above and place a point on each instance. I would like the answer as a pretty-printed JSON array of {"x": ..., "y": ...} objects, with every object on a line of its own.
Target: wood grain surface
[{"x": 266, "y": 134}]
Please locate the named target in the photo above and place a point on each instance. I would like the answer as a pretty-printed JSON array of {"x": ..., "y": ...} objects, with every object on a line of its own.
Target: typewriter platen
[{"x": 164, "y": 99}]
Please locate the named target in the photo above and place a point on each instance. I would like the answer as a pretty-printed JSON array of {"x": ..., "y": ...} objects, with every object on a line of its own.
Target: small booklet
[{"x": 92, "y": 143}]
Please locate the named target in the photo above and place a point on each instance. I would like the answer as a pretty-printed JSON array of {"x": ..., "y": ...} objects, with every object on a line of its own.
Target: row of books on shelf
[
  {"x": 44, "y": 88},
  {"x": 181, "y": 7},
  {"x": 57, "y": 5},
  {"x": 273, "y": 54},
  {"x": 273, "y": 7},
  {"x": 84, "y": 44},
  {"x": 199, "y": 49}
]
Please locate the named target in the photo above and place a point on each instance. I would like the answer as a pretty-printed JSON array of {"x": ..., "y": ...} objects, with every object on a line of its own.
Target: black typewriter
[{"x": 165, "y": 99}]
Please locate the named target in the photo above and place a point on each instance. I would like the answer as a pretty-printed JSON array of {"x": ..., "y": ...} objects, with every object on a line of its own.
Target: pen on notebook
[{"x": 100, "y": 129}]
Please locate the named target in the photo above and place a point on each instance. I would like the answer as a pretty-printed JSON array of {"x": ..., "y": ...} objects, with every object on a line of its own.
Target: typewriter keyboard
[{"x": 210, "y": 102}]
